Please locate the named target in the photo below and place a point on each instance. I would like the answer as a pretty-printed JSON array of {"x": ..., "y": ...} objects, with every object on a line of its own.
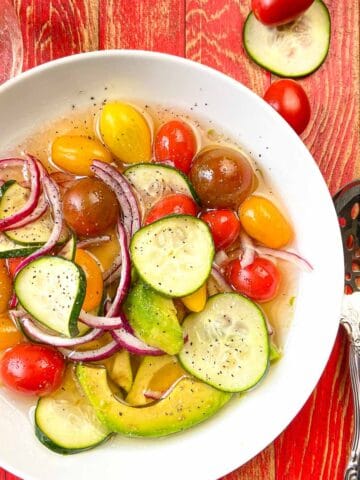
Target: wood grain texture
[
  {"x": 55, "y": 28},
  {"x": 315, "y": 445},
  {"x": 143, "y": 25}
]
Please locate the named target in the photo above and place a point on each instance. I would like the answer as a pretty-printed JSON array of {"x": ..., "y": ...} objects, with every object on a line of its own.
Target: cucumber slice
[
  {"x": 65, "y": 422},
  {"x": 153, "y": 181},
  {"x": 227, "y": 343},
  {"x": 69, "y": 249},
  {"x": 293, "y": 50},
  {"x": 173, "y": 255},
  {"x": 10, "y": 249},
  {"x": 52, "y": 290},
  {"x": 36, "y": 233}
]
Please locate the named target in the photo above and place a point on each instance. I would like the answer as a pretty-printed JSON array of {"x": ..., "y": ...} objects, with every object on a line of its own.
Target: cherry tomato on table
[
  {"x": 94, "y": 280},
  {"x": 90, "y": 207},
  {"x": 175, "y": 144},
  {"x": 259, "y": 281},
  {"x": 32, "y": 369},
  {"x": 172, "y": 204},
  {"x": 224, "y": 226},
  {"x": 289, "y": 99},
  {"x": 278, "y": 12}
]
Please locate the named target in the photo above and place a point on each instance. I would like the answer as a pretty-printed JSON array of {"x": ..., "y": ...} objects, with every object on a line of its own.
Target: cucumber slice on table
[
  {"x": 65, "y": 422},
  {"x": 153, "y": 181},
  {"x": 35, "y": 233},
  {"x": 293, "y": 50},
  {"x": 173, "y": 255},
  {"x": 227, "y": 343},
  {"x": 52, "y": 290}
]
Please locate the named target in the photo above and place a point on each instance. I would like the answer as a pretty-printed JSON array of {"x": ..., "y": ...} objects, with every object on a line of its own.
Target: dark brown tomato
[
  {"x": 90, "y": 207},
  {"x": 222, "y": 177}
]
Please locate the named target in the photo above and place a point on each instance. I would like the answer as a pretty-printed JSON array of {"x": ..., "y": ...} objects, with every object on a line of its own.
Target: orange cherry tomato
[
  {"x": 75, "y": 153},
  {"x": 264, "y": 222},
  {"x": 5, "y": 287},
  {"x": 9, "y": 334},
  {"x": 94, "y": 280}
]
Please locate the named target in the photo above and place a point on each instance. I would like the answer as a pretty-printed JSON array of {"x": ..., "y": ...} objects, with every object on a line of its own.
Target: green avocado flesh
[
  {"x": 189, "y": 403},
  {"x": 154, "y": 319}
]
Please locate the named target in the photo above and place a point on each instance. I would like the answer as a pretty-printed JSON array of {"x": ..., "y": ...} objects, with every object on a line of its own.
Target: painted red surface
[{"x": 315, "y": 445}]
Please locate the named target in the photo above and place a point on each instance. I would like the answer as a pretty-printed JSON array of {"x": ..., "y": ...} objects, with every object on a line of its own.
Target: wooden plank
[
  {"x": 53, "y": 28},
  {"x": 214, "y": 37},
  {"x": 146, "y": 25},
  {"x": 317, "y": 443}
]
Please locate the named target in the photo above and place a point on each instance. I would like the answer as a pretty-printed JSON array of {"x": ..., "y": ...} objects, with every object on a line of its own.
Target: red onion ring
[
  {"x": 112, "y": 274},
  {"x": 91, "y": 355},
  {"x": 41, "y": 208},
  {"x": 123, "y": 190},
  {"x": 95, "y": 241},
  {"x": 248, "y": 254},
  {"x": 291, "y": 257},
  {"x": 53, "y": 195},
  {"x": 154, "y": 395},
  {"x": 132, "y": 344},
  {"x": 39, "y": 335},
  {"x": 125, "y": 276},
  {"x": 219, "y": 279},
  {"x": 31, "y": 202},
  {"x": 104, "y": 323}
]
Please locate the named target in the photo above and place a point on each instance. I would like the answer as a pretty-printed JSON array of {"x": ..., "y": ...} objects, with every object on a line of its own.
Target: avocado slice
[
  {"x": 154, "y": 318},
  {"x": 189, "y": 403},
  {"x": 148, "y": 368},
  {"x": 119, "y": 369}
]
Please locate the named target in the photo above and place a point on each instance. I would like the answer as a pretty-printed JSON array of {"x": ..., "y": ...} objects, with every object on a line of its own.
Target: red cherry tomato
[
  {"x": 224, "y": 226},
  {"x": 172, "y": 204},
  {"x": 290, "y": 100},
  {"x": 259, "y": 281},
  {"x": 175, "y": 144},
  {"x": 12, "y": 264},
  {"x": 32, "y": 369},
  {"x": 279, "y": 12}
]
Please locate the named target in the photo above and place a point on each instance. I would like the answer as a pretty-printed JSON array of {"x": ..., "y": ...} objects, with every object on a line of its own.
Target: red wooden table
[{"x": 316, "y": 444}]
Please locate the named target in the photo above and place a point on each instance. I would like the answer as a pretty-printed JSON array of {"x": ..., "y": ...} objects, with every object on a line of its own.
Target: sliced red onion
[
  {"x": 125, "y": 190},
  {"x": 52, "y": 192},
  {"x": 221, "y": 258},
  {"x": 39, "y": 335},
  {"x": 154, "y": 395},
  {"x": 220, "y": 280},
  {"x": 125, "y": 275},
  {"x": 93, "y": 242},
  {"x": 13, "y": 301},
  {"x": 31, "y": 202},
  {"x": 91, "y": 355},
  {"x": 41, "y": 208},
  {"x": 112, "y": 274},
  {"x": 291, "y": 257},
  {"x": 105, "y": 323},
  {"x": 248, "y": 253},
  {"x": 132, "y": 344}
]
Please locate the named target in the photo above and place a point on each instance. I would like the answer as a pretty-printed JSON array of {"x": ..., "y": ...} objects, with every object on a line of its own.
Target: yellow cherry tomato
[
  {"x": 196, "y": 301},
  {"x": 264, "y": 222},
  {"x": 5, "y": 287},
  {"x": 126, "y": 133},
  {"x": 9, "y": 334},
  {"x": 94, "y": 281},
  {"x": 75, "y": 153}
]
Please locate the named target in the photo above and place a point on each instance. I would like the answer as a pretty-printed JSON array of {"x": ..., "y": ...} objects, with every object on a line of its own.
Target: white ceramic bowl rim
[{"x": 238, "y": 433}]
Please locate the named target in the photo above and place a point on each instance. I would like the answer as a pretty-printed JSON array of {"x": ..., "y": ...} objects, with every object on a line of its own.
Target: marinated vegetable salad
[{"x": 146, "y": 270}]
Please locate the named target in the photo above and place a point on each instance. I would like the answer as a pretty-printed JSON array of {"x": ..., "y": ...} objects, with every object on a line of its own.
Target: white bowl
[{"x": 245, "y": 426}]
